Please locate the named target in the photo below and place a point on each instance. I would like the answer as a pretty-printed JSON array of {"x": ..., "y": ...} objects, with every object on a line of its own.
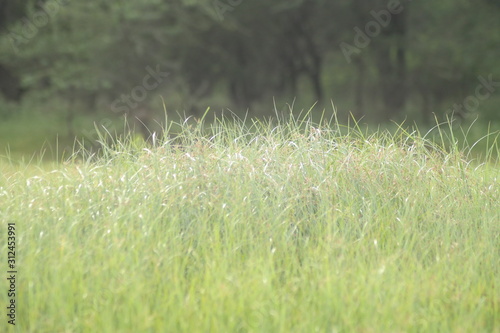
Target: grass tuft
[{"x": 260, "y": 226}]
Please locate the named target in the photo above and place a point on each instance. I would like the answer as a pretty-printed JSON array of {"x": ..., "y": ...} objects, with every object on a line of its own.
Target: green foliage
[{"x": 425, "y": 60}]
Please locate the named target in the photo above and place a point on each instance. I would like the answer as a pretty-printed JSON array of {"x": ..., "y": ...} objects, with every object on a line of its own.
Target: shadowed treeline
[{"x": 377, "y": 60}]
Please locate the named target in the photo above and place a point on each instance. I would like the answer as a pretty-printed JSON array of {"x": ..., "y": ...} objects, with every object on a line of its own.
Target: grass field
[{"x": 270, "y": 227}]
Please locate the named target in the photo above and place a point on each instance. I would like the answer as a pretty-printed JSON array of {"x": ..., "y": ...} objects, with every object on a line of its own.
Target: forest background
[{"x": 68, "y": 68}]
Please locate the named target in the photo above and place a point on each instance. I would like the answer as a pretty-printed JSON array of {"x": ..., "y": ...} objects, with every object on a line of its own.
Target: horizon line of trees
[{"x": 381, "y": 59}]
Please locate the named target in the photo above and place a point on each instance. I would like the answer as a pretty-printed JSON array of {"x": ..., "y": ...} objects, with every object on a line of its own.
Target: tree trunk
[
  {"x": 10, "y": 84},
  {"x": 392, "y": 67},
  {"x": 359, "y": 88}
]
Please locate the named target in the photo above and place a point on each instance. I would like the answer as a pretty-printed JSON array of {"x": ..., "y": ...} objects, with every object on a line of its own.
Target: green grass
[
  {"x": 270, "y": 227},
  {"x": 36, "y": 135}
]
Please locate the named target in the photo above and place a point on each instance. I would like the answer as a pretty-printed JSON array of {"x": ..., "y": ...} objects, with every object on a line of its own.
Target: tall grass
[{"x": 260, "y": 226}]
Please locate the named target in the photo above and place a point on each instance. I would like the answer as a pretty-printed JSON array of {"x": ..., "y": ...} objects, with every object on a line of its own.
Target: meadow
[{"x": 259, "y": 226}]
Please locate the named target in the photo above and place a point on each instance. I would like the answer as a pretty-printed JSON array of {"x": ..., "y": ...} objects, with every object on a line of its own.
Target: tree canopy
[{"x": 380, "y": 59}]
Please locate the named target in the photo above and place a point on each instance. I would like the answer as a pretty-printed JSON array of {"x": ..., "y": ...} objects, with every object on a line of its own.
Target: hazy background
[{"x": 67, "y": 66}]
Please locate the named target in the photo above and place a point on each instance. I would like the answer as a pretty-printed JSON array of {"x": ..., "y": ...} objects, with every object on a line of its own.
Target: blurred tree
[
  {"x": 418, "y": 53},
  {"x": 451, "y": 44},
  {"x": 10, "y": 81}
]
